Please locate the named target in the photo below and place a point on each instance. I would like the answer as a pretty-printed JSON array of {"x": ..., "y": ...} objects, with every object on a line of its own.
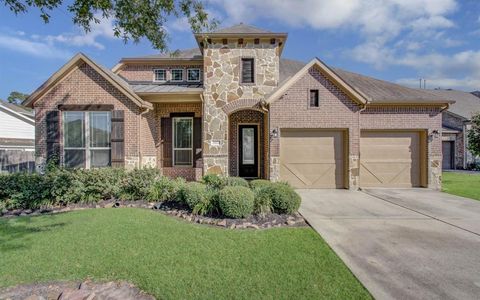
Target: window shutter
[
  {"x": 166, "y": 135},
  {"x": 53, "y": 135},
  {"x": 197, "y": 142},
  {"x": 118, "y": 138},
  {"x": 247, "y": 70}
]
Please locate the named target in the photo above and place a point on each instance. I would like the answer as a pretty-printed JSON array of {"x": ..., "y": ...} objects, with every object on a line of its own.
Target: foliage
[
  {"x": 474, "y": 136},
  {"x": 259, "y": 183},
  {"x": 263, "y": 200},
  {"x": 284, "y": 198},
  {"x": 236, "y": 181},
  {"x": 165, "y": 189},
  {"x": 17, "y": 97},
  {"x": 214, "y": 181},
  {"x": 195, "y": 193},
  {"x": 23, "y": 190},
  {"x": 132, "y": 20},
  {"x": 207, "y": 204},
  {"x": 136, "y": 184},
  {"x": 236, "y": 201}
]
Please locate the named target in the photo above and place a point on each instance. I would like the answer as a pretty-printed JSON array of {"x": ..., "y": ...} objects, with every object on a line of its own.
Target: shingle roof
[
  {"x": 18, "y": 108},
  {"x": 466, "y": 104},
  {"x": 193, "y": 53},
  {"x": 377, "y": 91},
  {"x": 240, "y": 28},
  {"x": 167, "y": 88}
]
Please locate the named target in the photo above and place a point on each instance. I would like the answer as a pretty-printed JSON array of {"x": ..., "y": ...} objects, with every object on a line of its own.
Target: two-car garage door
[{"x": 317, "y": 158}]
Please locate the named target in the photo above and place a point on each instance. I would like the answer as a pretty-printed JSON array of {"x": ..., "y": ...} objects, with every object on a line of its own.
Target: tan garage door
[
  {"x": 392, "y": 159},
  {"x": 312, "y": 158}
]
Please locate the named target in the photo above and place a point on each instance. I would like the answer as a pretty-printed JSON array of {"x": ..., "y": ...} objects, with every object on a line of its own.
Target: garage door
[
  {"x": 392, "y": 159},
  {"x": 312, "y": 158}
]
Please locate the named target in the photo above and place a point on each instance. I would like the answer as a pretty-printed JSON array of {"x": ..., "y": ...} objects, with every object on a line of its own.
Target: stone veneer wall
[
  {"x": 222, "y": 86},
  {"x": 246, "y": 117}
]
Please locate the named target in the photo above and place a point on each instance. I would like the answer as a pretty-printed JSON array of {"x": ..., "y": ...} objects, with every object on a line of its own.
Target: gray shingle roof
[
  {"x": 240, "y": 28},
  {"x": 466, "y": 104},
  {"x": 167, "y": 88},
  {"x": 193, "y": 53},
  {"x": 19, "y": 109}
]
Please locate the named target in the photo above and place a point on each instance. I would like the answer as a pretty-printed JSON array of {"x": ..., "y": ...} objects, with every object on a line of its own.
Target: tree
[
  {"x": 133, "y": 20},
  {"x": 474, "y": 136},
  {"x": 17, "y": 97}
]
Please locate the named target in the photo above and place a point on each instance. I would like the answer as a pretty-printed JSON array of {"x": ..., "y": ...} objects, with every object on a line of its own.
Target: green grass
[
  {"x": 461, "y": 184},
  {"x": 172, "y": 259}
]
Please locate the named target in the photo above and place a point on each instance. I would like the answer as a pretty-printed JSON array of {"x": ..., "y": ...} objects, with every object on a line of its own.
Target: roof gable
[
  {"x": 27, "y": 119},
  {"x": 73, "y": 64}
]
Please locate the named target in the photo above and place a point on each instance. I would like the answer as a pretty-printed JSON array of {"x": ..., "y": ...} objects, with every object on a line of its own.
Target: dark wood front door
[{"x": 248, "y": 151}]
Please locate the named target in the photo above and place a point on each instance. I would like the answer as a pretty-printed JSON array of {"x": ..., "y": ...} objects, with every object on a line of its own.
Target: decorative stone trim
[{"x": 242, "y": 104}]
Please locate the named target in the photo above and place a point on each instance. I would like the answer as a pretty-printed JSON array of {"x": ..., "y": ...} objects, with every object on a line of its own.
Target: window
[
  {"x": 86, "y": 139},
  {"x": 248, "y": 72},
  {"x": 160, "y": 74},
  {"x": 193, "y": 75},
  {"x": 314, "y": 101},
  {"x": 182, "y": 141},
  {"x": 177, "y": 75}
]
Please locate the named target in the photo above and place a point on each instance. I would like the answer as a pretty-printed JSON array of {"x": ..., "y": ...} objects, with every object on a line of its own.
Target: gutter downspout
[{"x": 359, "y": 136}]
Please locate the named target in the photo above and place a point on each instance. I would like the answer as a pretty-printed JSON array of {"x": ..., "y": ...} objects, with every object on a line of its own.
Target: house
[
  {"x": 17, "y": 141},
  {"x": 234, "y": 106},
  {"x": 456, "y": 123}
]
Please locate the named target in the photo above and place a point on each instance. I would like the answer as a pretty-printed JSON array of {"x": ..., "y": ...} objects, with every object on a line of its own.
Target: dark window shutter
[
  {"x": 53, "y": 135},
  {"x": 166, "y": 135},
  {"x": 118, "y": 138},
  {"x": 247, "y": 70},
  {"x": 197, "y": 142}
]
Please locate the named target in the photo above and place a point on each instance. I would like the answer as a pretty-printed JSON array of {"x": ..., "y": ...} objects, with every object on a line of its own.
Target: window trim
[
  {"x": 155, "y": 74},
  {"x": 199, "y": 74},
  {"x": 171, "y": 75},
  {"x": 317, "y": 93},
  {"x": 254, "y": 66},
  {"x": 173, "y": 142},
  {"x": 86, "y": 134}
]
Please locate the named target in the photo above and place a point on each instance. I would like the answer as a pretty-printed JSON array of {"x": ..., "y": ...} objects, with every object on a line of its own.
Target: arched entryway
[{"x": 248, "y": 143}]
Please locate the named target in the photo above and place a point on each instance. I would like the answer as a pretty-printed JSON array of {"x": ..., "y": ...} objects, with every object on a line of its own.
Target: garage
[
  {"x": 393, "y": 159},
  {"x": 313, "y": 158}
]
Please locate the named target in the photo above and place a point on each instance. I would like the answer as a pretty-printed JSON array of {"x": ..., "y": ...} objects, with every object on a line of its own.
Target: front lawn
[
  {"x": 173, "y": 259},
  {"x": 462, "y": 184}
]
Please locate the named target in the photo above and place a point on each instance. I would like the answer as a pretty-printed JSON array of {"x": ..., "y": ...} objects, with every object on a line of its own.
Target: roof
[
  {"x": 76, "y": 61},
  {"x": 466, "y": 104},
  {"x": 167, "y": 88},
  {"x": 375, "y": 90},
  {"x": 241, "y": 28},
  {"x": 184, "y": 54},
  {"x": 28, "y": 112},
  {"x": 17, "y": 112}
]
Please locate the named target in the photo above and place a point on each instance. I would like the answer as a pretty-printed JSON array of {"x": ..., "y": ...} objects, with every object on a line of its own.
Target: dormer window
[
  {"x": 160, "y": 75},
  {"x": 177, "y": 75},
  {"x": 193, "y": 75},
  {"x": 248, "y": 70}
]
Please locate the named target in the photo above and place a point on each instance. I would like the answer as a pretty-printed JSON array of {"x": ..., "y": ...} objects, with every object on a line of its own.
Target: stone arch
[{"x": 243, "y": 104}]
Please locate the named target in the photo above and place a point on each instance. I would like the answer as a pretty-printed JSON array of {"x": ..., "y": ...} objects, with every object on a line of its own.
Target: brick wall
[
  {"x": 144, "y": 72},
  {"x": 451, "y": 121}
]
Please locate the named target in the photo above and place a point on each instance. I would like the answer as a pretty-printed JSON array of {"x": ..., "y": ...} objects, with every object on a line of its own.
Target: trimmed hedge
[
  {"x": 259, "y": 183},
  {"x": 195, "y": 193},
  {"x": 236, "y": 201},
  {"x": 284, "y": 198}
]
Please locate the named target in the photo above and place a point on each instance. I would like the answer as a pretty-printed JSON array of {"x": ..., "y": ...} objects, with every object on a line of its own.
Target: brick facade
[
  {"x": 456, "y": 123},
  {"x": 144, "y": 72}
]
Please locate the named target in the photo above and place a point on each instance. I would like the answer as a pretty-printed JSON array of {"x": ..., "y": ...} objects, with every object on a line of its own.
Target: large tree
[
  {"x": 474, "y": 135},
  {"x": 17, "y": 97},
  {"x": 133, "y": 19}
]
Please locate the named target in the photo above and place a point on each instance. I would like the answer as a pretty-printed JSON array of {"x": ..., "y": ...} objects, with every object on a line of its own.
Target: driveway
[{"x": 405, "y": 243}]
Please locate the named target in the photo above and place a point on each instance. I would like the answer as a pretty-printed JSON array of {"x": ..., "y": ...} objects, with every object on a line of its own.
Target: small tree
[
  {"x": 474, "y": 136},
  {"x": 17, "y": 97}
]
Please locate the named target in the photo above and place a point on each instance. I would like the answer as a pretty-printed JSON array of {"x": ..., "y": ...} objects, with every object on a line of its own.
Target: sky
[{"x": 395, "y": 40}]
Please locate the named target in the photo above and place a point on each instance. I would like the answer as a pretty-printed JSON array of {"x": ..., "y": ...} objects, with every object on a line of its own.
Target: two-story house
[{"x": 234, "y": 106}]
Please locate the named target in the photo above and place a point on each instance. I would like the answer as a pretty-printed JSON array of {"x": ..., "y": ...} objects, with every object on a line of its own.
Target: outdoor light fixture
[{"x": 274, "y": 133}]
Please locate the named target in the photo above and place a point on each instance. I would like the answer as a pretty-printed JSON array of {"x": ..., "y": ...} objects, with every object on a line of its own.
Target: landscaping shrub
[
  {"x": 195, "y": 193},
  {"x": 165, "y": 189},
  {"x": 136, "y": 184},
  {"x": 236, "y": 201},
  {"x": 259, "y": 183},
  {"x": 22, "y": 190},
  {"x": 236, "y": 181},
  {"x": 263, "y": 200},
  {"x": 284, "y": 198},
  {"x": 214, "y": 181}
]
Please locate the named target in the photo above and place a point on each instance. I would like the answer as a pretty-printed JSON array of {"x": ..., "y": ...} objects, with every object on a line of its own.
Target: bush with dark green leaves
[
  {"x": 284, "y": 198},
  {"x": 236, "y": 201},
  {"x": 23, "y": 190},
  {"x": 166, "y": 189},
  {"x": 214, "y": 181},
  {"x": 136, "y": 184}
]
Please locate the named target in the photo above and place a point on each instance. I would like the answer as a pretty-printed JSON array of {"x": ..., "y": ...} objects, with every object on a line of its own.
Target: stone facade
[{"x": 222, "y": 85}]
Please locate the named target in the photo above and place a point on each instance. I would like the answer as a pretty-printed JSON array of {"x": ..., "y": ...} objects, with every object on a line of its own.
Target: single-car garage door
[
  {"x": 312, "y": 158},
  {"x": 392, "y": 159}
]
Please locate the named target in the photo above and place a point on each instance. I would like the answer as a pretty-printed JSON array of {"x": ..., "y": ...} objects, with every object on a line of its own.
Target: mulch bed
[{"x": 173, "y": 209}]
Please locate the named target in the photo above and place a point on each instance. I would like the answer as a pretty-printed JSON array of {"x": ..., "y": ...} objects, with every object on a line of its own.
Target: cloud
[{"x": 33, "y": 48}]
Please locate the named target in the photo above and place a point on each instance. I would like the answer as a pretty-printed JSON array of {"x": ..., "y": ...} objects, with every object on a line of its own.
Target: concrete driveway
[{"x": 402, "y": 244}]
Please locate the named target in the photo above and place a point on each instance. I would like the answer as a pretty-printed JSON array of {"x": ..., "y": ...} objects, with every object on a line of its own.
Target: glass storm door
[{"x": 248, "y": 151}]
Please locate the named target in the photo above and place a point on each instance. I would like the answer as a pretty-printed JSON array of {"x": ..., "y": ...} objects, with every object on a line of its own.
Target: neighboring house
[
  {"x": 17, "y": 137},
  {"x": 234, "y": 106},
  {"x": 456, "y": 123}
]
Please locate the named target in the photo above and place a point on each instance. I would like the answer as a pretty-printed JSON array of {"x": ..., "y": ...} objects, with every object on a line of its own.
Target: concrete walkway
[{"x": 402, "y": 244}]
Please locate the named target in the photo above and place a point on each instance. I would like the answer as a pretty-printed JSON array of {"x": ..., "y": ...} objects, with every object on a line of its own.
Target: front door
[{"x": 248, "y": 151}]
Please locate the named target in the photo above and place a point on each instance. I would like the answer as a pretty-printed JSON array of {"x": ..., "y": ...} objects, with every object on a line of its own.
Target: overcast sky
[{"x": 395, "y": 40}]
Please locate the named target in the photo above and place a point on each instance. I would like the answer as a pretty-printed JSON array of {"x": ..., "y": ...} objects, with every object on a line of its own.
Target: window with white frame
[
  {"x": 193, "y": 75},
  {"x": 182, "y": 141},
  {"x": 86, "y": 138},
  {"x": 160, "y": 74},
  {"x": 177, "y": 75}
]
